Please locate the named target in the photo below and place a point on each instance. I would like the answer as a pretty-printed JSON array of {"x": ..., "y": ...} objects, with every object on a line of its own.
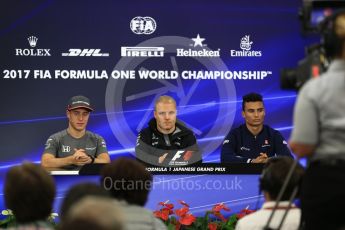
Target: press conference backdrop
[{"x": 125, "y": 54}]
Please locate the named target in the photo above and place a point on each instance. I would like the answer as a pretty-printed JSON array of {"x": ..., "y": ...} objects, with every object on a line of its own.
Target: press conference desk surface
[
  {"x": 63, "y": 172},
  {"x": 207, "y": 168}
]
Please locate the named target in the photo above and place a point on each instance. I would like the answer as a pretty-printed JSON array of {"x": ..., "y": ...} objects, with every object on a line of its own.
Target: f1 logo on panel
[{"x": 85, "y": 52}]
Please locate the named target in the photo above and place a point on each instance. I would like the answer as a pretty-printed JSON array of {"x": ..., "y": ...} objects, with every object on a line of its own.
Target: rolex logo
[
  {"x": 32, "y": 52},
  {"x": 32, "y": 41}
]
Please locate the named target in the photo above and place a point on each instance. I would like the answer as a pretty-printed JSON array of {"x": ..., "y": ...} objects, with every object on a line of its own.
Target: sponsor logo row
[
  {"x": 198, "y": 49},
  {"x": 144, "y": 26}
]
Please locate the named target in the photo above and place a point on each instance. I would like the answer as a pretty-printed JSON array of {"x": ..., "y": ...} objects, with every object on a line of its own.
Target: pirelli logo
[{"x": 142, "y": 51}]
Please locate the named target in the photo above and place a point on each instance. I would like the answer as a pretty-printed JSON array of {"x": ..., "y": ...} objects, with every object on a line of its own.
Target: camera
[
  {"x": 312, "y": 15},
  {"x": 311, "y": 66}
]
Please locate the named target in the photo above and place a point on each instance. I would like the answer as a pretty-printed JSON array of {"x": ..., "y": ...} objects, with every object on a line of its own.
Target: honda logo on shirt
[{"x": 66, "y": 148}]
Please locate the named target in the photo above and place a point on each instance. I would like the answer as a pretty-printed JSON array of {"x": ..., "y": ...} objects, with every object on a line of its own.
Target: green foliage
[{"x": 10, "y": 219}]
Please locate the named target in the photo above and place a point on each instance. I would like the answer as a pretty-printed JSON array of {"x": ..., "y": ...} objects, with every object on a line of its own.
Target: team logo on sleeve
[
  {"x": 103, "y": 144},
  {"x": 47, "y": 145}
]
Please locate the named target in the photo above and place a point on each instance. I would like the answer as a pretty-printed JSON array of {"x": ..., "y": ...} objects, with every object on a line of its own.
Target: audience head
[
  {"x": 92, "y": 212},
  {"x": 332, "y": 29},
  {"x": 274, "y": 175},
  {"x": 127, "y": 179},
  {"x": 29, "y": 192},
  {"x": 76, "y": 193}
]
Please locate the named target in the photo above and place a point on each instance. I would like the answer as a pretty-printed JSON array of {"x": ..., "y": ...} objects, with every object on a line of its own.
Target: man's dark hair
[
  {"x": 127, "y": 179},
  {"x": 251, "y": 97},
  {"x": 332, "y": 41},
  {"x": 78, "y": 192},
  {"x": 29, "y": 192},
  {"x": 274, "y": 174}
]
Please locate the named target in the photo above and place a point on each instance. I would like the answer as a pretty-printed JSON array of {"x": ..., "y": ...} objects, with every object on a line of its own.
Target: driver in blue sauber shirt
[{"x": 253, "y": 142}]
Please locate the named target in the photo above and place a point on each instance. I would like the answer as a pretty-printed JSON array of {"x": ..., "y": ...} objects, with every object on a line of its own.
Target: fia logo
[
  {"x": 66, "y": 149},
  {"x": 143, "y": 25},
  {"x": 246, "y": 44}
]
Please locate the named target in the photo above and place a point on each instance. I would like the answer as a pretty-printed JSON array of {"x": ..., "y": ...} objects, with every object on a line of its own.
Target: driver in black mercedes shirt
[{"x": 166, "y": 140}]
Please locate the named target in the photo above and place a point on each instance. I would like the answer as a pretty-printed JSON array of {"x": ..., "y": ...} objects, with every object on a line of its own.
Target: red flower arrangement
[
  {"x": 164, "y": 212},
  {"x": 183, "y": 219},
  {"x": 244, "y": 212}
]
